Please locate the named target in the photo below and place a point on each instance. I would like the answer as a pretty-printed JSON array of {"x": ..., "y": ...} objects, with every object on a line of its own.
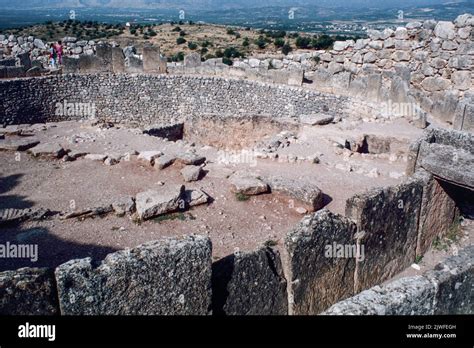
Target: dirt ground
[{"x": 232, "y": 224}]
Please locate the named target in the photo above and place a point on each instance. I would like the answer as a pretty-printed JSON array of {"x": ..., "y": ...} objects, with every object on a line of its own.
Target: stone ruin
[{"x": 181, "y": 107}]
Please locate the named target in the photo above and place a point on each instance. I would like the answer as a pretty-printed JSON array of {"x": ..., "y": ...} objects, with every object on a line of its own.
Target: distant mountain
[{"x": 208, "y": 4}]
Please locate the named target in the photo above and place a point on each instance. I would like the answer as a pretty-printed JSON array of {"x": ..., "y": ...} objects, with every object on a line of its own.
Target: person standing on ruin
[
  {"x": 59, "y": 52},
  {"x": 52, "y": 56}
]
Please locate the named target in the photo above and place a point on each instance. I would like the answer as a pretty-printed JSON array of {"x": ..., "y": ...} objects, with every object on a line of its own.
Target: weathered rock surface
[
  {"x": 299, "y": 189},
  {"x": 164, "y": 161},
  {"x": 316, "y": 120},
  {"x": 249, "y": 284},
  {"x": 319, "y": 279},
  {"x": 191, "y": 173},
  {"x": 196, "y": 197},
  {"x": 96, "y": 157},
  {"x": 438, "y": 212},
  {"x": 28, "y": 291},
  {"x": 454, "y": 279},
  {"x": 189, "y": 158},
  {"x": 47, "y": 150},
  {"x": 150, "y": 156},
  {"x": 167, "y": 277},
  {"x": 164, "y": 200},
  {"x": 18, "y": 144},
  {"x": 406, "y": 296},
  {"x": 387, "y": 221},
  {"x": 124, "y": 205},
  {"x": 247, "y": 185}
]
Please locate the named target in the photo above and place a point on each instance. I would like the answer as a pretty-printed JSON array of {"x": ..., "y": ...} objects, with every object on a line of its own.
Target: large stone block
[
  {"x": 118, "y": 60},
  {"x": 438, "y": 211},
  {"x": 167, "y": 277},
  {"x": 249, "y": 284},
  {"x": 192, "y": 60},
  {"x": 28, "y": 291},
  {"x": 152, "y": 61},
  {"x": 387, "y": 222},
  {"x": 320, "y": 276},
  {"x": 405, "y": 296},
  {"x": 454, "y": 279},
  {"x": 449, "y": 163}
]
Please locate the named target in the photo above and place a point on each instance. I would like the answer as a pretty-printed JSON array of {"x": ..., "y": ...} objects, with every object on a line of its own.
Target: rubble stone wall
[{"x": 151, "y": 99}]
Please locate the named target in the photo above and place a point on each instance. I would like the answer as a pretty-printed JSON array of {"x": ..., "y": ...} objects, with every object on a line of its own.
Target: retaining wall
[{"x": 151, "y": 99}]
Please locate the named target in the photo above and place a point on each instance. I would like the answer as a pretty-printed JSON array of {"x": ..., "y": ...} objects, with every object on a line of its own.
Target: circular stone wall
[{"x": 151, "y": 99}]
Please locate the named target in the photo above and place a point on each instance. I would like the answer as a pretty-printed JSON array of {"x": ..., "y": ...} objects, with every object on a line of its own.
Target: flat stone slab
[
  {"x": 149, "y": 156},
  {"x": 166, "y": 277},
  {"x": 249, "y": 284},
  {"x": 164, "y": 161},
  {"x": 247, "y": 185},
  {"x": 448, "y": 163},
  {"x": 96, "y": 157},
  {"x": 301, "y": 190},
  {"x": 189, "y": 158},
  {"x": 196, "y": 197},
  {"x": 316, "y": 119},
  {"x": 47, "y": 150},
  {"x": 18, "y": 144},
  {"x": 191, "y": 173},
  {"x": 28, "y": 291},
  {"x": 161, "y": 201}
]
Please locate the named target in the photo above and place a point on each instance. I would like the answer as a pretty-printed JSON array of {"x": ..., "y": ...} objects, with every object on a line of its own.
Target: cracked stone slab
[
  {"x": 160, "y": 201},
  {"x": 196, "y": 197},
  {"x": 247, "y": 185}
]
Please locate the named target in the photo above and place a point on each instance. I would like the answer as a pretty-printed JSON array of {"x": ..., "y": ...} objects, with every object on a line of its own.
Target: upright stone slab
[
  {"x": 192, "y": 60},
  {"x": 249, "y": 284},
  {"x": 454, "y": 281},
  {"x": 319, "y": 276},
  {"x": 152, "y": 61},
  {"x": 118, "y": 60},
  {"x": 28, "y": 291},
  {"x": 167, "y": 277},
  {"x": 387, "y": 222},
  {"x": 438, "y": 212}
]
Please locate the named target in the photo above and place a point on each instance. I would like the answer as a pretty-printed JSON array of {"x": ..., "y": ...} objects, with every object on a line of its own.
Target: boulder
[
  {"x": 124, "y": 205},
  {"x": 161, "y": 201},
  {"x": 149, "y": 156},
  {"x": 190, "y": 158},
  {"x": 196, "y": 197}
]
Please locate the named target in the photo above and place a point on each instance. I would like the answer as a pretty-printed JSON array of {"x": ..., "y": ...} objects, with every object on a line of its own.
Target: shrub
[
  {"x": 227, "y": 61},
  {"x": 232, "y": 52},
  {"x": 279, "y": 42},
  {"x": 261, "y": 42},
  {"x": 286, "y": 49},
  {"x": 230, "y": 31},
  {"x": 192, "y": 45},
  {"x": 303, "y": 42},
  {"x": 322, "y": 42},
  {"x": 182, "y": 33},
  {"x": 246, "y": 42},
  {"x": 176, "y": 29},
  {"x": 180, "y": 40}
]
